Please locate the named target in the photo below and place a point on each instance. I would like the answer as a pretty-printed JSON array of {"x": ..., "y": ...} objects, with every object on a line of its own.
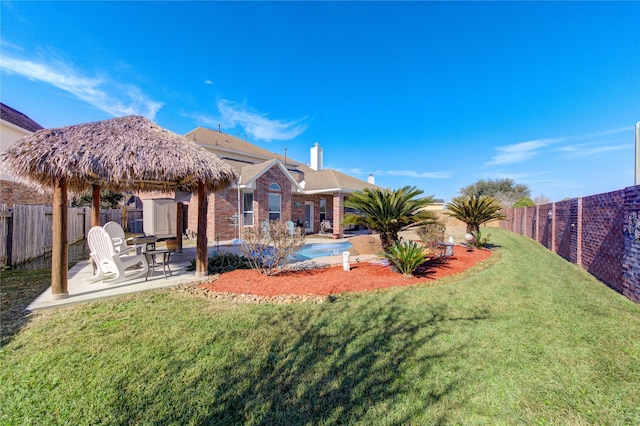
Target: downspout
[{"x": 239, "y": 207}]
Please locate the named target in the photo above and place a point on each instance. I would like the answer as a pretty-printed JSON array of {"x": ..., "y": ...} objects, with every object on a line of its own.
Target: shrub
[
  {"x": 474, "y": 211},
  {"x": 388, "y": 211},
  {"x": 431, "y": 234},
  {"x": 478, "y": 240},
  {"x": 524, "y": 202},
  {"x": 406, "y": 256},
  {"x": 270, "y": 247},
  {"x": 221, "y": 263}
]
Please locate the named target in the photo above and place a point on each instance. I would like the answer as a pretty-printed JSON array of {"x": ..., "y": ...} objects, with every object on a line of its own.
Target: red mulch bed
[{"x": 334, "y": 280}]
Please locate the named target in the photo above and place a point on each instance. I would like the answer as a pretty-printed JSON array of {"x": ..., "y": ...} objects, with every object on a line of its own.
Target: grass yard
[{"x": 525, "y": 339}]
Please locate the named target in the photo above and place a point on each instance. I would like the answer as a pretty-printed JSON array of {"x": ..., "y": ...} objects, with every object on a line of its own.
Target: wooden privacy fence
[{"x": 26, "y": 230}]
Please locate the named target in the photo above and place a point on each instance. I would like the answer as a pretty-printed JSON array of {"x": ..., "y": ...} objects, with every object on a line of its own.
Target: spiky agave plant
[
  {"x": 388, "y": 211},
  {"x": 474, "y": 211},
  {"x": 406, "y": 256}
]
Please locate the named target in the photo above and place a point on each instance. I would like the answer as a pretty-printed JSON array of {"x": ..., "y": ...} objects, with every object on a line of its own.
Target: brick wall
[
  {"x": 601, "y": 233},
  {"x": 545, "y": 211},
  {"x": 222, "y": 208},
  {"x": 16, "y": 193},
  {"x": 602, "y": 240},
  {"x": 631, "y": 250},
  {"x": 261, "y": 195},
  {"x": 530, "y": 221},
  {"x": 563, "y": 225}
]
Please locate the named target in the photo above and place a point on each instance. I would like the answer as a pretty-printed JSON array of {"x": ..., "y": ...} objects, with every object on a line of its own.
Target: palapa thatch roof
[{"x": 122, "y": 153}]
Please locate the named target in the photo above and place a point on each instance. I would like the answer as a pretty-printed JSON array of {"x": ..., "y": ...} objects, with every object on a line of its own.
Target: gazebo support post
[
  {"x": 60, "y": 246},
  {"x": 179, "y": 226},
  {"x": 202, "y": 262},
  {"x": 95, "y": 205}
]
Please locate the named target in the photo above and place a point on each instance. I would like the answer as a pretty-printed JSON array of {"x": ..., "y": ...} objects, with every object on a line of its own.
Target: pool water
[{"x": 311, "y": 251}]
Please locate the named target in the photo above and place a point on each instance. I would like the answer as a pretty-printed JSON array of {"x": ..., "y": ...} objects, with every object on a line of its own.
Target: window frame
[
  {"x": 245, "y": 211},
  {"x": 274, "y": 214}
]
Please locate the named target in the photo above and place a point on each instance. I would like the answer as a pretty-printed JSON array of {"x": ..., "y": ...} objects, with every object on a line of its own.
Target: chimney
[
  {"x": 316, "y": 157},
  {"x": 371, "y": 179}
]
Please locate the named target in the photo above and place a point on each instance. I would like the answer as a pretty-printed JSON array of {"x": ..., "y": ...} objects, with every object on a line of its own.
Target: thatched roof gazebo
[{"x": 122, "y": 153}]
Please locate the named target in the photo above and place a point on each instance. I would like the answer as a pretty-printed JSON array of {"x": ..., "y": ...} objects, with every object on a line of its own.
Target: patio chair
[
  {"x": 111, "y": 264},
  {"x": 118, "y": 237},
  {"x": 116, "y": 233},
  {"x": 291, "y": 227},
  {"x": 326, "y": 227}
]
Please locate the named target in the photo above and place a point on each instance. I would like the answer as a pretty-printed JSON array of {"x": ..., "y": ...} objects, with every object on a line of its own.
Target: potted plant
[{"x": 172, "y": 244}]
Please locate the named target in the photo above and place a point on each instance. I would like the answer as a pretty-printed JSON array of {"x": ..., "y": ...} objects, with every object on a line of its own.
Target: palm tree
[
  {"x": 474, "y": 211},
  {"x": 388, "y": 211}
]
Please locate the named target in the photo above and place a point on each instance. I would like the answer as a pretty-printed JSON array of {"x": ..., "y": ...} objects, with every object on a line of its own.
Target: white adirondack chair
[
  {"x": 291, "y": 227},
  {"x": 116, "y": 233},
  {"x": 111, "y": 265},
  {"x": 119, "y": 239}
]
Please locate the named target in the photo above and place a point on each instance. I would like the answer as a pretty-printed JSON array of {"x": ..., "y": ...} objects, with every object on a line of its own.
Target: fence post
[
  {"x": 579, "y": 233},
  {"x": 536, "y": 229},
  {"x": 553, "y": 227},
  {"x": 9, "y": 239}
]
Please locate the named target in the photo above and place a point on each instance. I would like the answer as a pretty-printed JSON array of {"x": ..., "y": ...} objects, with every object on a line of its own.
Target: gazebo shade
[
  {"x": 127, "y": 153},
  {"x": 123, "y": 153}
]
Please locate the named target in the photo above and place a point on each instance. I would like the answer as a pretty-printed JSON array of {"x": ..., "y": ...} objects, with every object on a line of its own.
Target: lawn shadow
[
  {"x": 429, "y": 268},
  {"x": 19, "y": 289},
  {"x": 326, "y": 366}
]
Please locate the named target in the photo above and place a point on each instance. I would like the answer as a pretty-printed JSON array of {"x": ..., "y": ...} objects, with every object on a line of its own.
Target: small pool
[{"x": 311, "y": 251}]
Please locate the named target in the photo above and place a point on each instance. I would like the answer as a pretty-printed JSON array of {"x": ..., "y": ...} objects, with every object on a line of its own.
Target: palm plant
[
  {"x": 406, "y": 257},
  {"x": 474, "y": 211},
  {"x": 388, "y": 211}
]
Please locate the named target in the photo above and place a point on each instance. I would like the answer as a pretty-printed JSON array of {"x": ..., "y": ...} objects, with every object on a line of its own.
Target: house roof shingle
[
  {"x": 17, "y": 118},
  {"x": 250, "y": 161}
]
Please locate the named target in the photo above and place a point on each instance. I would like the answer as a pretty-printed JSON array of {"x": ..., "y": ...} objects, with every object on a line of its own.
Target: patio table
[{"x": 151, "y": 258}]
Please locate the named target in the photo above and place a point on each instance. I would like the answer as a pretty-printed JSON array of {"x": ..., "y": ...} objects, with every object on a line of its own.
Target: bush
[
  {"x": 221, "y": 263},
  {"x": 431, "y": 234},
  {"x": 406, "y": 256},
  {"x": 270, "y": 248},
  {"x": 524, "y": 202},
  {"x": 478, "y": 240}
]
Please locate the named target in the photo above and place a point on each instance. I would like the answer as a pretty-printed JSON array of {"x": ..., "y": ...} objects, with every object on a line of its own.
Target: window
[
  {"x": 247, "y": 208},
  {"x": 275, "y": 201},
  {"x": 274, "y": 206},
  {"x": 323, "y": 209}
]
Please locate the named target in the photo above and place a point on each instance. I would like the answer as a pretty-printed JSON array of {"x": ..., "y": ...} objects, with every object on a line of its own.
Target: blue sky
[{"x": 436, "y": 95}]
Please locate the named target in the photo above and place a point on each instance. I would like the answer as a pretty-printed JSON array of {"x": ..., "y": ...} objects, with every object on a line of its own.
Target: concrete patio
[{"x": 83, "y": 292}]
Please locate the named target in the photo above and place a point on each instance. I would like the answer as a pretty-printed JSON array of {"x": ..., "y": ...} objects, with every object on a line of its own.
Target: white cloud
[
  {"x": 606, "y": 133},
  {"x": 519, "y": 152},
  {"x": 258, "y": 125},
  {"x": 208, "y": 82},
  {"x": 113, "y": 98},
  {"x": 420, "y": 175},
  {"x": 585, "y": 150}
]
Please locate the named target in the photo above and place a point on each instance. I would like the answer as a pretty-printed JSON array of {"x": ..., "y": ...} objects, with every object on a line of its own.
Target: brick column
[
  {"x": 579, "y": 234},
  {"x": 536, "y": 235},
  {"x": 553, "y": 228},
  {"x": 338, "y": 213}
]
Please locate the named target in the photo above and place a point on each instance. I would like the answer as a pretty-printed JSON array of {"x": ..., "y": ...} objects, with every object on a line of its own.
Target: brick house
[
  {"x": 14, "y": 125},
  {"x": 272, "y": 187}
]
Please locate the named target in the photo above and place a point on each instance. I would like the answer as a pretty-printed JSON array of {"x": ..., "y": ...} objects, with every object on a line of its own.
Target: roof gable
[{"x": 252, "y": 172}]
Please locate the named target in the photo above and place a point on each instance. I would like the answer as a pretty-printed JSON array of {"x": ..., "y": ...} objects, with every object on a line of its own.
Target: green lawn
[{"x": 525, "y": 339}]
